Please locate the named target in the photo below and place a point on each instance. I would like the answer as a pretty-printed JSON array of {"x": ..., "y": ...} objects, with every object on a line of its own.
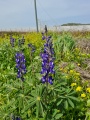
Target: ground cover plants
[{"x": 44, "y": 76}]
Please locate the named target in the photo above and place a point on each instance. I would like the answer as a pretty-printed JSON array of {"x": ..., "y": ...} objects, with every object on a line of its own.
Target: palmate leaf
[
  {"x": 7, "y": 109},
  {"x": 10, "y": 87},
  {"x": 35, "y": 100},
  {"x": 39, "y": 109}
]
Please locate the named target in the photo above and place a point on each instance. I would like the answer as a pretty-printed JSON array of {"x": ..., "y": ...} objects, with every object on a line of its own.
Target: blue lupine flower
[
  {"x": 20, "y": 65},
  {"x": 29, "y": 45},
  {"x": 47, "y": 61},
  {"x": 12, "y": 40},
  {"x": 18, "y": 118},
  {"x": 21, "y": 41},
  {"x": 32, "y": 47}
]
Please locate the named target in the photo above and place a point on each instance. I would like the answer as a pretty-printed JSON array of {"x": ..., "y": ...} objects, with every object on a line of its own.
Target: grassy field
[{"x": 45, "y": 76}]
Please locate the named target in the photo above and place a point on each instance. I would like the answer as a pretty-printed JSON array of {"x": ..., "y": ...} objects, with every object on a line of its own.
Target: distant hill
[{"x": 72, "y": 24}]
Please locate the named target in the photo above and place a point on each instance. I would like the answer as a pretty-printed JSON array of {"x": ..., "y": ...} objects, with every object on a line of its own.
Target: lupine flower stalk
[
  {"x": 21, "y": 41},
  {"x": 20, "y": 65},
  {"x": 12, "y": 41},
  {"x": 32, "y": 50},
  {"x": 47, "y": 61},
  {"x": 32, "y": 47}
]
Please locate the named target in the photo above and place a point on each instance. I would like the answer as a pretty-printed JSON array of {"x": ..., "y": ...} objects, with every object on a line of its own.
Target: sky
[{"x": 20, "y": 14}]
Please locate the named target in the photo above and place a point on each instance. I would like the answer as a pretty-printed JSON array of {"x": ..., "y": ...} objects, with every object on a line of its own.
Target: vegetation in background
[{"x": 72, "y": 24}]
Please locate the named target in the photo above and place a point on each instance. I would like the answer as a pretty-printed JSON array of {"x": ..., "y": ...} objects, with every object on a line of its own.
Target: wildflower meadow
[{"x": 44, "y": 76}]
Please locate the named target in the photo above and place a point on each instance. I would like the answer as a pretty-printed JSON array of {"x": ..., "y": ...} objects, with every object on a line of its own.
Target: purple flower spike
[
  {"x": 47, "y": 61},
  {"x": 32, "y": 47},
  {"x": 50, "y": 80},
  {"x": 20, "y": 65},
  {"x": 43, "y": 37},
  {"x": 43, "y": 79},
  {"x": 21, "y": 41},
  {"x": 18, "y": 118},
  {"x": 12, "y": 41}
]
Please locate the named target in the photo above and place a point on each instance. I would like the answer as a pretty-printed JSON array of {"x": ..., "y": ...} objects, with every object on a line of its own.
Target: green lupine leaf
[
  {"x": 71, "y": 103},
  {"x": 72, "y": 93},
  {"x": 66, "y": 104},
  {"x": 37, "y": 109},
  {"x": 58, "y": 116},
  {"x": 55, "y": 112},
  {"x": 59, "y": 102},
  {"x": 88, "y": 102},
  {"x": 41, "y": 109},
  {"x": 73, "y": 98},
  {"x": 32, "y": 103}
]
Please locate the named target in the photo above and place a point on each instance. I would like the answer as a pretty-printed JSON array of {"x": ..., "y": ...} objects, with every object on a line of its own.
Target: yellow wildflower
[
  {"x": 67, "y": 53},
  {"x": 78, "y": 64},
  {"x": 67, "y": 76},
  {"x": 83, "y": 55},
  {"x": 88, "y": 90},
  {"x": 61, "y": 69},
  {"x": 83, "y": 95},
  {"x": 65, "y": 70},
  {"x": 76, "y": 48},
  {"x": 71, "y": 71},
  {"x": 38, "y": 98},
  {"x": 78, "y": 74},
  {"x": 78, "y": 57},
  {"x": 73, "y": 84},
  {"x": 78, "y": 88},
  {"x": 77, "y": 78}
]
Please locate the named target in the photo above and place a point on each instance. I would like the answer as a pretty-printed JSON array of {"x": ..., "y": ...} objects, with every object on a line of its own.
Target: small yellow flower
[
  {"x": 78, "y": 64},
  {"x": 83, "y": 95},
  {"x": 67, "y": 76},
  {"x": 76, "y": 48},
  {"x": 71, "y": 71},
  {"x": 78, "y": 88},
  {"x": 73, "y": 84},
  {"x": 61, "y": 69},
  {"x": 83, "y": 55},
  {"x": 88, "y": 90},
  {"x": 67, "y": 53},
  {"x": 78, "y": 74},
  {"x": 77, "y": 78},
  {"x": 78, "y": 57},
  {"x": 38, "y": 98},
  {"x": 65, "y": 70}
]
